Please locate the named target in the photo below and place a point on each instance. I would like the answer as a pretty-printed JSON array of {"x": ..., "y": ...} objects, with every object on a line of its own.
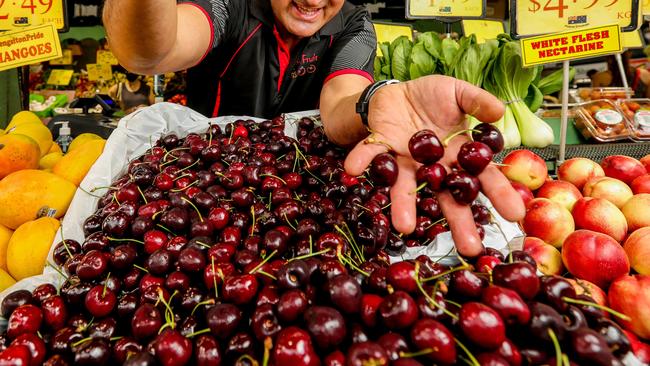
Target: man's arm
[
  {"x": 337, "y": 107},
  {"x": 155, "y": 36}
]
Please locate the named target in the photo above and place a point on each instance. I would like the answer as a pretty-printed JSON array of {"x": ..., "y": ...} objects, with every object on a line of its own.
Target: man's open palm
[{"x": 440, "y": 104}]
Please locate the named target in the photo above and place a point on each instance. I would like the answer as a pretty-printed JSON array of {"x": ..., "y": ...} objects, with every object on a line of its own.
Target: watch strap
[{"x": 363, "y": 104}]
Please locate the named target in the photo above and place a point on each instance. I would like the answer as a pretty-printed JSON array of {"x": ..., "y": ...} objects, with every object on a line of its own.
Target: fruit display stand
[{"x": 371, "y": 310}]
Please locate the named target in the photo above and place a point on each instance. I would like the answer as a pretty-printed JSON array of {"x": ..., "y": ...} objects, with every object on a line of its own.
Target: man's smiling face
[{"x": 303, "y": 18}]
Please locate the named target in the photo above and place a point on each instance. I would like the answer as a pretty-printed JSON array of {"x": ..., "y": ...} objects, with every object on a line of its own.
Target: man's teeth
[{"x": 306, "y": 10}]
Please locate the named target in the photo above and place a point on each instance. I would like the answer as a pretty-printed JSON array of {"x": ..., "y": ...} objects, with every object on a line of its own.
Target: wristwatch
[{"x": 363, "y": 104}]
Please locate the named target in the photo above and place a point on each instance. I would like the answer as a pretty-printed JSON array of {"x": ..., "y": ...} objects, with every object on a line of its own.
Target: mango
[
  {"x": 54, "y": 148},
  {"x": 49, "y": 161},
  {"x": 23, "y": 117},
  {"x": 75, "y": 164},
  {"x": 38, "y": 132},
  {"x": 17, "y": 152},
  {"x": 82, "y": 139},
  {"x": 29, "y": 246},
  {"x": 6, "y": 280},
  {"x": 24, "y": 193},
  {"x": 5, "y": 235}
]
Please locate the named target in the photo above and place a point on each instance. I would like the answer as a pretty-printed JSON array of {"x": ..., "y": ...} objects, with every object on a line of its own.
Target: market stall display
[{"x": 237, "y": 245}]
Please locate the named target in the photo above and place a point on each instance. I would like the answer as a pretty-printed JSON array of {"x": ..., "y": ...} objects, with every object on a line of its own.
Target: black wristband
[{"x": 363, "y": 104}]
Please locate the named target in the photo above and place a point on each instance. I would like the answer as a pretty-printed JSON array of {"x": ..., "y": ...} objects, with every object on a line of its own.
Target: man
[{"x": 264, "y": 57}]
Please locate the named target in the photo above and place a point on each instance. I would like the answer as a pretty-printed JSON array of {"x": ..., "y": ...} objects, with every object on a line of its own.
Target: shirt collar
[{"x": 261, "y": 9}]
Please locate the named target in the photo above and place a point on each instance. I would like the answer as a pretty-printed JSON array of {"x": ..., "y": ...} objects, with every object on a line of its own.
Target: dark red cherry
[
  {"x": 474, "y": 156},
  {"x": 462, "y": 186},
  {"x": 489, "y": 135},
  {"x": 434, "y": 175},
  {"x": 384, "y": 169},
  {"x": 326, "y": 325},
  {"x": 428, "y": 333},
  {"x": 425, "y": 147},
  {"x": 398, "y": 310},
  {"x": 482, "y": 325}
]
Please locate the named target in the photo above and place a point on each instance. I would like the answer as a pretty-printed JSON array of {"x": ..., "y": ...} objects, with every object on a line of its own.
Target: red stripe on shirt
[
  {"x": 215, "y": 111},
  {"x": 283, "y": 56},
  {"x": 349, "y": 71},
  {"x": 211, "y": 29}
]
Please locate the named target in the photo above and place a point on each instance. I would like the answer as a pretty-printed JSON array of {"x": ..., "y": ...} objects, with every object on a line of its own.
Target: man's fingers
[
  {"x": 478, "y": 102},
  {"x": 403, "y": 196},
  {"x": 360, "y": 157},
  {"x": 500, "y": 192},
  {"x": 461, "y": 223}
]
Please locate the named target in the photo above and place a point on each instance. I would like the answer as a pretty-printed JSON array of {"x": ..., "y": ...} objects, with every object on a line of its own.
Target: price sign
[
  {"x": 106, "y": 57},
  {"x": 533, "y": 17},
  {"x": 571, "y": 45},
  {"x": 484, "y": 29},
  {"x": 60, "y": 77},
  {"x": 17, "y": 14},
  {"x": 65, "y": 60},
  {"x": 428, "y": 9},
  {"x": 29, "y": 46},
  {"x": 387, "y": 32},
  {"x": 645, "y": 7},
  {"x": 98, "y": 72},
  {"x": 632, "y": 40}
]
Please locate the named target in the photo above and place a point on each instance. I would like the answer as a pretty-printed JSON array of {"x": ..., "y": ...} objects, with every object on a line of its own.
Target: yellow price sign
[
  {"x": 106, "y": 57},
  {"x": 426, "y": 9},
  {"x": 387, "y": 32},
  {"x": 645, "y": 7},
  {"x": 17, "y": 14},
  {"x": 533, "y": 17},
  {"x": 66, "y": 59},
  {"x": 571, "y": 45},
  {"x": 29, "y": 46},
  {"x": 98, "y": 72},
  {"x": 631, "y": 40},
  {"x": 484, "y": 29},
  {"x": 60, "y": 77}
]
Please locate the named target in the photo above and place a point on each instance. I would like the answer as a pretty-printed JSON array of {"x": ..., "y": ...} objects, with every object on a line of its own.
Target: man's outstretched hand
[{"x": 438, "y": 103}]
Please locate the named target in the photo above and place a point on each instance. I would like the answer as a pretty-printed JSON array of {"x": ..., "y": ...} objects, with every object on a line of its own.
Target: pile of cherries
[{"x": 245, "y": 247}]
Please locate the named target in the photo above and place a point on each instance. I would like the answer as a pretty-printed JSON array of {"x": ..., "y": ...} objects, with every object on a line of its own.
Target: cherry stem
[
  {"x": 314, "y": 176},
  {"x": 164, "y": 228},
  {"x": 102, "y": 187},
  {"x": 57, "y": 270},
  {"x": 88, "y": 193},
  {"x": 113, "y": 339},
  {"x": 189, "y": 166},
  {"x": 198, "y": 332},
  {"x": 82, "y": 341},
  {"x": 169, "y": 313},
  {"x": 419, "y": 353},
  {"x": 194, "y": 207},
  {"x": 105, "y": 284},
  {"x": 469, "y": 354},
  {"x": 65, "y": 245},
  {"x": 274, "y": 176},
  {"x": 141, "y": 268},
  {"x": 419, "y": 188},
  {"x": 267, "y": 274},
  {"x": 254, "y": 221},
  {"x": 436, "y": 222},
  {"x": 268, "y": 344},
  {"x": 556, "y": 346},
  {"x": 288, "y": 222},
  {"x": 172, "y": 150},
  {"x": 449, "y": 271},
  {"x": 249, "y": 358},
  {"x": 305, "y": 256},
  {"x": 142, "y": 195},
  {"x": 350, "y": 238},
  {"x": 126, "y": 239},
  {"x": 430, "y": 299},
  {"x": 263, "y": 262},
  {"x": 168, "y": 162},
  {"x": 565, "y": 360},
  {"x": 597, "y": 306},
  {"x": 186, "y": 187},
  {"x": 344, "y": 260},
  {"x": 447, "y": 139},
  {"x": 214, "y": 278},
  {"x": 115, "y": 198},
  {"x": 206, "y": 302},
  {"x": 300, "y": 154},
  {"x": 202, "y": 244}
]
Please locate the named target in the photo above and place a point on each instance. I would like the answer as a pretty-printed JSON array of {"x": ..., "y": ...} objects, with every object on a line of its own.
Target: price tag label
[
  {"x": 66, "y": 59},
  {"x": 645, "y": 7},
  {"x": 632, "y": 40},
  {"x": 533, "y": 17},
  {"x": 29, "y": 46},
  {"x": 17, "y": 14},
  {"x": 106, "y": 57},
  {"x": 388, "y": 32},
  {"x": 427, "y": 9},
  {"x": 571, "y": 45},
  {"x": 60, "y": 77},
  {"x": 98, "y": 72},
  {"x": 484, "y": 29}
]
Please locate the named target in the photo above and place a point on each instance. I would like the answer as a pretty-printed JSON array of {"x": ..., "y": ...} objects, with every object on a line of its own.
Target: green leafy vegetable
[{"x": 552, "y": 82}]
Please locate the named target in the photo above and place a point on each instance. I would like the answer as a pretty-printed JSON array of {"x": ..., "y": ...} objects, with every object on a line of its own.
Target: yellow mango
[
  {"x": 17, "y": 152},
  {"x": 54, "y": 148},
  {"x": 24, "y": 193},
  {"x": 23, "y": 117},
  {"x": 38, "y": 132},
  {"x": 75, "y": 164},
  {"x": 6, "y": 280},
  {"x": 49, "y": 161},
  {"x": 29, "y": 246},
  {"x": 82, "y": 139},
  {"x": 5, "y": 235}
]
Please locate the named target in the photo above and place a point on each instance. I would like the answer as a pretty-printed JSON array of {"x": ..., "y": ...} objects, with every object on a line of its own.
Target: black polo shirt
[{"x": 248, "y": 70}]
